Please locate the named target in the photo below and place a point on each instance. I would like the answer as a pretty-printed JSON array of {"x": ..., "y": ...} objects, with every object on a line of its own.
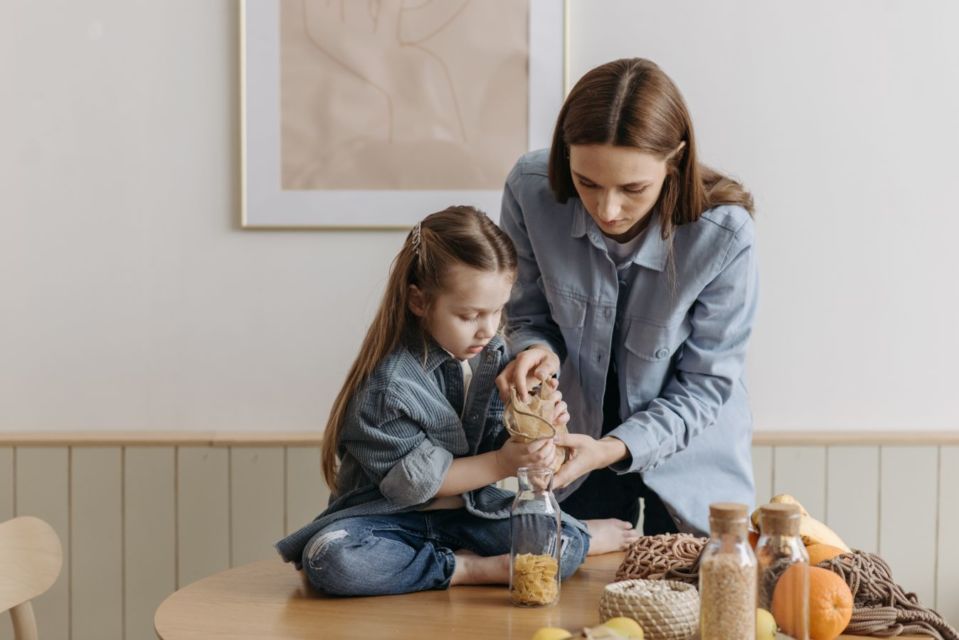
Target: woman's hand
[
  {"x": 561, "y": 414},
  {"x": 515, "y": 454},
  {"x": 585, "y": 453},
  {"x": 528, "y": 368},
  {"x": 560, "y": 409}
]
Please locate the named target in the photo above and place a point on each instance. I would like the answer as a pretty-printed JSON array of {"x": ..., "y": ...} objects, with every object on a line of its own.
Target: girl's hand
[
  {"x": 585, "y": 453},
  {"x": 527, "y": 369},
  {"x": 515, "y": 454}
]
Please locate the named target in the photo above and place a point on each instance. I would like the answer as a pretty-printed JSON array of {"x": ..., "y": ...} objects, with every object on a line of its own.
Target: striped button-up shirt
[{"x": 402, "y": 430}]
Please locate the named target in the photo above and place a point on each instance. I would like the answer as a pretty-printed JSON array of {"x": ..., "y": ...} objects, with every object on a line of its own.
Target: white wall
[
  {"x": 842, "y": 119},
  {"x": 129, "y": 299}
]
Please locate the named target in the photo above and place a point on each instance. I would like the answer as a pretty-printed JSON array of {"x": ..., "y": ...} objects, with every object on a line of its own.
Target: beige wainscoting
[{"x": 140, "y": 514}]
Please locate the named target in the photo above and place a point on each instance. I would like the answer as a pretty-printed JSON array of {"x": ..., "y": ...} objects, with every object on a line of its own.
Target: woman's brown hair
[
  {"x": 458, "y": 235},
  {"x": 632, "y": 103}
]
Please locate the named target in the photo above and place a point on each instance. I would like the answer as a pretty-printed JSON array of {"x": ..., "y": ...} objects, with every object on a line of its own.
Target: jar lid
[
  {"x": 779, "y": 519},
  {"x": 728, "y": 511},
  {"x": 727, "y": 518}
]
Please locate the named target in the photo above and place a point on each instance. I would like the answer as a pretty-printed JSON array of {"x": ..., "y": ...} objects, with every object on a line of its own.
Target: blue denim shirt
[{"x": 683, "y": 331}]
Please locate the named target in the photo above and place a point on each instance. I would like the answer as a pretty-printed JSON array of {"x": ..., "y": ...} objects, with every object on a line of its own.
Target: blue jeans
[{"x": 406, "y": 552}]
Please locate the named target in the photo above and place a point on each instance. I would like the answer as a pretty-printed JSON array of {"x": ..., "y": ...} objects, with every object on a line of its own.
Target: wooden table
[{"x": 267, "y": 600}]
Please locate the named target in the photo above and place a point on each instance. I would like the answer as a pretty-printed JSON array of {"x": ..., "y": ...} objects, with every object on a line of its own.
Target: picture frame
[{"x": 266, "y": 204}]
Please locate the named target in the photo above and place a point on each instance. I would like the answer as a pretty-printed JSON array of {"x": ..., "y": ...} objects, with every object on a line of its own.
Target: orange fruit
[
  {"x": 787, "y": 596},
  {"x": 821, "y": 552},
  {"x": 830, "y": 603}
]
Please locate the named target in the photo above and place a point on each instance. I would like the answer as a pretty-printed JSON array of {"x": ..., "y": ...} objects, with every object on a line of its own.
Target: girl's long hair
[
  {"x": 633, "y": 103},
  {"x": 458, "y": 235}
]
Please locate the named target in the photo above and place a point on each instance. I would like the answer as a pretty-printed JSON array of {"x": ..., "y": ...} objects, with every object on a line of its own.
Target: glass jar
[
  {"x": 783, "y": 569},
  {"x": 535, "y": 527},
  {"x": 727, "y": 577}
]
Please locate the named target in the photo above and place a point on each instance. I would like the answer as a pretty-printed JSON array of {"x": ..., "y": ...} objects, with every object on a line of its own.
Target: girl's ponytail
[{"x": 391, "y": 322}]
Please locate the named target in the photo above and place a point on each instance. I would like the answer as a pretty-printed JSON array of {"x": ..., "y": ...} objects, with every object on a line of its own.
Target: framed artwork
[{"x": 371, "y": 114}]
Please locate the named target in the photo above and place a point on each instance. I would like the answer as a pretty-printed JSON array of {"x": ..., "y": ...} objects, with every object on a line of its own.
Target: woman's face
[{"x": 618, "y": 186}]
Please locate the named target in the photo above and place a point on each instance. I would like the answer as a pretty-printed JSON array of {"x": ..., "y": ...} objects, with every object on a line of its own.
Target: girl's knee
[
  {"x": 574, "y": 545},
  {"x": 332, "y": 561}
]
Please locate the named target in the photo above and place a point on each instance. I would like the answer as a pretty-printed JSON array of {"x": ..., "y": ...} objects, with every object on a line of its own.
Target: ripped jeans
[{"x": 406, "y": 552}]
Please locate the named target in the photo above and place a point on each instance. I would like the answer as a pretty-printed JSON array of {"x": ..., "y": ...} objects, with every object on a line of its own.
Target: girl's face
[
  {"x": 465, "y": 316},
  {"x": 617, "y": 185}
]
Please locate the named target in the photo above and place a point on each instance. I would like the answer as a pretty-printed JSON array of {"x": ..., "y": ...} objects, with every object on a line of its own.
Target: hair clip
[{"x": 416, "y": 238}]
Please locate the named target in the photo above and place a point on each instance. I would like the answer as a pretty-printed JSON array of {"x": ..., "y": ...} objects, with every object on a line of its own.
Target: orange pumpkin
[
  {"x": 821, "y": 552},
  {"x": 830, "y": 603}
]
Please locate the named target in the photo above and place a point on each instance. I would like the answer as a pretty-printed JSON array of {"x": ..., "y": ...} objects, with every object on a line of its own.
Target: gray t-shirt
[{"x": 622, "y": 252}]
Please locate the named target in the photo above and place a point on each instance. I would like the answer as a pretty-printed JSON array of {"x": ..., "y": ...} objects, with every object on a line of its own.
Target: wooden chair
[{"x": 30, "y": 561}]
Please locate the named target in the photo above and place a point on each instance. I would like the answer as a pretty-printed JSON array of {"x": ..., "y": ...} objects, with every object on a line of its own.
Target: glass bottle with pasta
[{"x": 535, "y": 540}]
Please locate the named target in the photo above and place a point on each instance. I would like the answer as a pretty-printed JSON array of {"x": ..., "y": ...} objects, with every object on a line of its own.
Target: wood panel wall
[{"x": 141, "y": 518}]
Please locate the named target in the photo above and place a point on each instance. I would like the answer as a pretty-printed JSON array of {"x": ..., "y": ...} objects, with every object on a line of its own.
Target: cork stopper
[
  {"x": 779, "y": 519},
  {"x": 727, "y": 517}
]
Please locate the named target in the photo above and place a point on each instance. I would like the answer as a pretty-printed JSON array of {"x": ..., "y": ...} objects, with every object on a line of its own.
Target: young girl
[{"x": 418, "y": 429}]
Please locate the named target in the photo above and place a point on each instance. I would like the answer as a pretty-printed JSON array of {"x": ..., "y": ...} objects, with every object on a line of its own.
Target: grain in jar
[{"x": 727, "y": 577}]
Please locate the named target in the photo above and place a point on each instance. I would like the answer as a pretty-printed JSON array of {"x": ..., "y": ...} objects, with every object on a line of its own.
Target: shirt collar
[
  {"x": 437, "y": 355},
  {"x": 652, "y": 251}
]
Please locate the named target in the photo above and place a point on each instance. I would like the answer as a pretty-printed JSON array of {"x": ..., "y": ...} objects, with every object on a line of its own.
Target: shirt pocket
[
  {"x": 569, "y": 314},
  {"x": 652, "y": 342},
  {"x": 651, "y": 353}
]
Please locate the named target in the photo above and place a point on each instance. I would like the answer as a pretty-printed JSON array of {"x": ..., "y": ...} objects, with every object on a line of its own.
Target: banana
[{"x": 811, "y": 531}]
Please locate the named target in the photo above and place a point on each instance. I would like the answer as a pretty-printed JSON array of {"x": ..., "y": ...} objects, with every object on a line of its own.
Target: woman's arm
[
  {"x": 533, "y": 335},
  {"x": 586, "y": 453},
  {"x": 527, "y": 314},
  {"x": 713, "y": 359},
  {"x": 712, "y": 363}
]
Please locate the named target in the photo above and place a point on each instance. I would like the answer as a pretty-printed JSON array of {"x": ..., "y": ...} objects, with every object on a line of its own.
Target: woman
[{"x": 637, "y": 272}]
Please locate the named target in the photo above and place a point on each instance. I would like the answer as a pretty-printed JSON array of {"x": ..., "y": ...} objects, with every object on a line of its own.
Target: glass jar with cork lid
[
  {"x": 535, "y": 540},
  {"x": 727, "y": 577},
  {"x": 783, "y": 569}
]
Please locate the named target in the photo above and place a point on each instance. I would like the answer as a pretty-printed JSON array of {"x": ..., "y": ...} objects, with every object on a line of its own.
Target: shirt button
[{"x": 662, "y": 353}]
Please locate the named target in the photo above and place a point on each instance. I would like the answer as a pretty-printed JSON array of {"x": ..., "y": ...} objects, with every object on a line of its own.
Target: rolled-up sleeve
[
  {"x": 712, "y": 362},
  {"x": 418, "y": 476},
  {"x": 394, "y": 450},
  {"x": 528, "y": 314}
]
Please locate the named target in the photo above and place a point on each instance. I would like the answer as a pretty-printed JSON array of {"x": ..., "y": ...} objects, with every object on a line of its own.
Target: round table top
[{"x": 268, "y": 600}]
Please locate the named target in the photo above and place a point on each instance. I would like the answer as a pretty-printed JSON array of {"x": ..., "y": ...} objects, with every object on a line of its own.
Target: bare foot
[
  {"x": 610, "y": 534},
  {"x": 473, "y": 569}
]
